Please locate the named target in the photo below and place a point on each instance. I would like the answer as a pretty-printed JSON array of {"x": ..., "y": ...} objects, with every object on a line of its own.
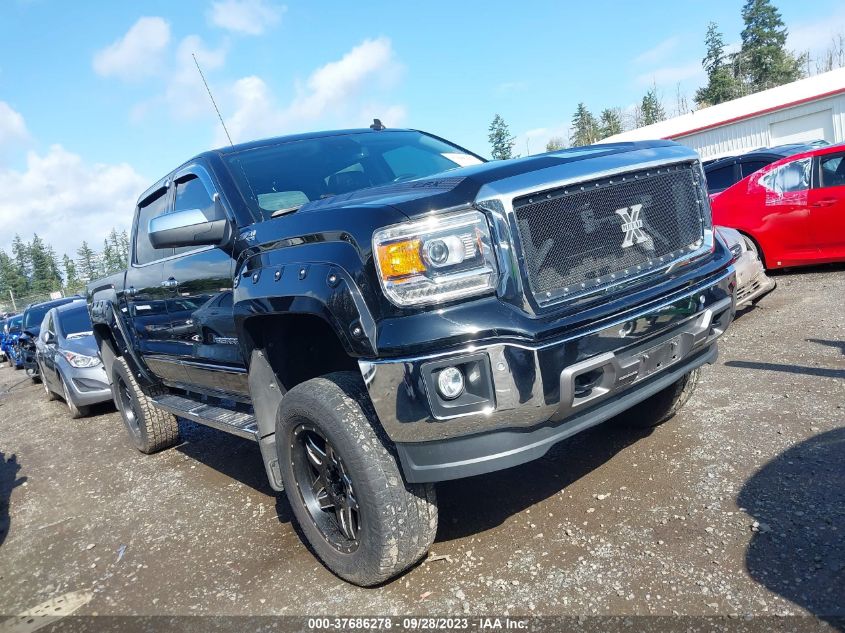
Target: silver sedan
[
  {"x": 67, "y": 357},
  {"x": 751, "y": 279}
]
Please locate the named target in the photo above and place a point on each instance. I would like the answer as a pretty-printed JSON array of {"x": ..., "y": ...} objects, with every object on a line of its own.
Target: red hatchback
[{"x": 793, "y": 210}]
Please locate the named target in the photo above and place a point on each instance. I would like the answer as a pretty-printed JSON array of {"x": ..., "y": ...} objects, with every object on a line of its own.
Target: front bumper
[
  {"x": 751, "y": 279},
  {"x": 545, "y": 392},
  {"x": 86, "y": 385}
]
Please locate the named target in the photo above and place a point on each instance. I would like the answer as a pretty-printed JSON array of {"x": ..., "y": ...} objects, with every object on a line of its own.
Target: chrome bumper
[{"x": 553, "y": 381}]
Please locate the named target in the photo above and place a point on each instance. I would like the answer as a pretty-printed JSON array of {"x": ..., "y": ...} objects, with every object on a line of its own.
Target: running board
[{"x": 226, "y": 420}]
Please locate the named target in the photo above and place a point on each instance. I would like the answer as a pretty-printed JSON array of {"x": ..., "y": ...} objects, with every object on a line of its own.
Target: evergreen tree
[
  {"x": 123, "y": 241},
  {"x": 555, "y": 143},
  {"x": 585, "y": 126},
  {"x": 501, "y": 141},
  {"x": 72, "y": 282},
  {"x": 110, "y": 260},
  {"x": 765, "y": 61},
  {"x": 652, "y": 108},
  {"x": 610, "y": 122},
  {"x": 45, "y": 268},
  {"x": 11, "y": 278},
  {"x": 721, "y": 85},
  {"x": 87, "y": 262},
  {"x": 22, "y": 262}
]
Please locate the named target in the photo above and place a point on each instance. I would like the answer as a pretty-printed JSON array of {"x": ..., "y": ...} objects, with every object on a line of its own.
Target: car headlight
[
  {"x": 80, "y": 360},
  {"x": 436, "y": 259}
]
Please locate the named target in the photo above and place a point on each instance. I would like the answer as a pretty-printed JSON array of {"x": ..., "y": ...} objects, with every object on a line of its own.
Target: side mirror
[{"x": 187, "y": 228}]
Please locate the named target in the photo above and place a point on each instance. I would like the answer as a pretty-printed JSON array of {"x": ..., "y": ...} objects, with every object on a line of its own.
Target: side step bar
[{"x": 234, "y": 422}]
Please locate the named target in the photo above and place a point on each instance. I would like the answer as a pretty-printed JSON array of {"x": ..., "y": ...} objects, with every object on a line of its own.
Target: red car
[{"x": 791, "y": 211}]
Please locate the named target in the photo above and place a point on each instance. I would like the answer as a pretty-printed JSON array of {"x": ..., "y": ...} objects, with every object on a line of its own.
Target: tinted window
[
  {"x": 34, "y": 316},
  {"x": 192, "y": 194},
  {"x": 749, "y": 167},
  {"x": 276, "y": 177},
  {"x": 720, "y": 178},
  {"x": 794, "y": 176},
  {"x": 833, "y": 171},
  {"x": 74, "y": 321},
  {"x": 15, "y": 325},
  {"x": 226, "y": 300},
  {"x": 144, "y": 251}
]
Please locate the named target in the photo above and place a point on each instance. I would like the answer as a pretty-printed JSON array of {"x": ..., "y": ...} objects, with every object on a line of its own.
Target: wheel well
[
  {"x": 298, "y": 346},
  {"x": 760, "y": 250}
]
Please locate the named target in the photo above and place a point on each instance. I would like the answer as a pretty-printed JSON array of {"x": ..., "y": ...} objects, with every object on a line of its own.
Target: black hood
[{"x": 460, "y": 186}]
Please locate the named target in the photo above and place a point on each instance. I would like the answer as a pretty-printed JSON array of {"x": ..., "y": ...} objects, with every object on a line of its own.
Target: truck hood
[{"x": 462, "y": 185}]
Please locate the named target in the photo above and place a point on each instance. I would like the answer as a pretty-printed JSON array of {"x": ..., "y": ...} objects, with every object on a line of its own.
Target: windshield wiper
[{"x": 280, "y": 212}]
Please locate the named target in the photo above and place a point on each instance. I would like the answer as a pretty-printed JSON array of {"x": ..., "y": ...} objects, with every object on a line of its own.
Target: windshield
[
  {"x": 15, "y": 325},
  {"x": 34, "y": 316},
  {"x": 286, "y": 176},
  {"x": 74, "y": 321}
]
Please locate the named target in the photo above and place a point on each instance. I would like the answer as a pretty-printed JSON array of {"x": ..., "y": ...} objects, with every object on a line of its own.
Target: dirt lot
[{"x": 735, "y": 507}]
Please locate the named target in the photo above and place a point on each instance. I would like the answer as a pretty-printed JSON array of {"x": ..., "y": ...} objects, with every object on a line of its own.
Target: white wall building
[{"x": 805, "y": 110}]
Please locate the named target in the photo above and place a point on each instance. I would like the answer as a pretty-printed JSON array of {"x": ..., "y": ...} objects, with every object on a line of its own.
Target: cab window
[
  {"x": 192, "y": 194},
  {"x": 721, "y": 178},
  {"x": 152, "y": 207}
]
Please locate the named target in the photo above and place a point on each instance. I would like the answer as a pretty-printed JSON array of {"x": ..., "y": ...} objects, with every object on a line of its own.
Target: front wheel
[
  {"x": 365, "y": 523},
  {"x": 662, "y": 406},
  {"x": 150, "y": 429},
  {"x": 76, "y": 412}
]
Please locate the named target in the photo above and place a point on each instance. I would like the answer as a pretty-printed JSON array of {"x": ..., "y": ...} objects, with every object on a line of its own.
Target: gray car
[{"x": 67, "y": 357}]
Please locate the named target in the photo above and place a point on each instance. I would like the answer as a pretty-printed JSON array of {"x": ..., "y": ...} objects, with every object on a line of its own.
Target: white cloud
[
  {"x": 66, "y": 200},
  {"x": 534, "y": 141},
  {"x": 816, "y": 36},
  {"x": 247, "y": 17},
  {"x": 330, "y": 94},
  {"x": 671, "y": 75},
  {"x": 138, "y": 53},
  {"x": 659, "y": 52},
  {"x": 12, "y": 127}
]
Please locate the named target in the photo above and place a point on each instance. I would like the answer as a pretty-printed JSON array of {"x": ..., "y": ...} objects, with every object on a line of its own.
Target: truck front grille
[{"x": 592, "y": 235}]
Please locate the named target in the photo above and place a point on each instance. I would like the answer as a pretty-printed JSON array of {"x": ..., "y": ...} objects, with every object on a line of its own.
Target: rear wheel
[
  {"x": 150, "y": 429},
  {"x": 344, "y": 484},
  {"x": 662, "y": 406}
]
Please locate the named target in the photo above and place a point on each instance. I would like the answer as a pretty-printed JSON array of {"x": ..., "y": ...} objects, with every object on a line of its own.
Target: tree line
[
  {"x": 762, "y": 62},
  {"x": 33, "y": 268}
]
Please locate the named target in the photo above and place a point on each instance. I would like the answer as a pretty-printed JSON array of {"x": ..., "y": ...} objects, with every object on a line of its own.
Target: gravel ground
[{"x": 737, "y": 506}]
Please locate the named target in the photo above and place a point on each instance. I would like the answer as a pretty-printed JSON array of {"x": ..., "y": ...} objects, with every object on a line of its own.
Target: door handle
[
  {"x": 169, "y": 283},
  {"x": 826, "y": 202}
]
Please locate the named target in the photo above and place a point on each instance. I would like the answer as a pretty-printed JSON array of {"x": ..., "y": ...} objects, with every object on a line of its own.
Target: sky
[{"x": 100, "y": 99}]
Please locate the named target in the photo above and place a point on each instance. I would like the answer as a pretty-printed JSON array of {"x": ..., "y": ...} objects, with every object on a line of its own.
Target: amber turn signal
[{"x": 400, "y": 259}]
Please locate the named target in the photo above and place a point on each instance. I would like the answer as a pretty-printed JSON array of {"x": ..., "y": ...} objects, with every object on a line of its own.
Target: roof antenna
[
  {"x": 213, "y": 102},
  {"x": 377, "y": 125}
]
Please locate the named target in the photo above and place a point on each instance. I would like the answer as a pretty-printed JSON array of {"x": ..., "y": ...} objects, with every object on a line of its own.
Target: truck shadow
[
  {"x": 476, "y": 504},
  {"x": 798, "y": 501},
  {"x": 9, "y": 480}
]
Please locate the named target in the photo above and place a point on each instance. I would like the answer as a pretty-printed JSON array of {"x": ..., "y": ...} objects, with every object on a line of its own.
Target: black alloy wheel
[{"x": 325, "y": 488}]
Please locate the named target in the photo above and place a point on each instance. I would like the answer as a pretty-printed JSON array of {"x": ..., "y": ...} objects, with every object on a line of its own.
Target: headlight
[
  {"x": 435, "y": 259},
  {"x": 80, "y": 360}
]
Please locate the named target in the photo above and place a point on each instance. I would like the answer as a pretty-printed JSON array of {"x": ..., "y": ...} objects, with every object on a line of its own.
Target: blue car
[{"x": 11, "y": 334}]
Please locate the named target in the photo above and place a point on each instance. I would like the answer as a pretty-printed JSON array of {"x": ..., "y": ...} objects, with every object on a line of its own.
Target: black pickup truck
[{"x": 382, "y": 309}]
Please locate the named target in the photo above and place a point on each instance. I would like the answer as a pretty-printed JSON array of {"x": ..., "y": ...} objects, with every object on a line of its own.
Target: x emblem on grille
[{"x": 632, "y": 226}]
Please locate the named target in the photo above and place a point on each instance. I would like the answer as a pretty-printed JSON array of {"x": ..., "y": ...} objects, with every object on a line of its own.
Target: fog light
[{"x": 450, "y": 383}]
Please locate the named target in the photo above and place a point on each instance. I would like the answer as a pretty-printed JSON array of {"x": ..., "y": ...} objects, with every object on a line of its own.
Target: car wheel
[
  {"x": 751, "y": 245},
  {"x": 75, "y": 411},
  {"x": 662, "y": 406},
  {"x": 341, "y": 477},
  {"x": 150, "y": 429},
  {"x": 33, "y": 374}
]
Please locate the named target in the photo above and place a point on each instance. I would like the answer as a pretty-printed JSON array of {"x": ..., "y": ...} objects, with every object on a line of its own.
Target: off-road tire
[
  {"x": 76, "y": 412},
  {"x": 398, "y": 519},
  {"x": 153, "y": 429},
  {"x": 662, "y": 406}
]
